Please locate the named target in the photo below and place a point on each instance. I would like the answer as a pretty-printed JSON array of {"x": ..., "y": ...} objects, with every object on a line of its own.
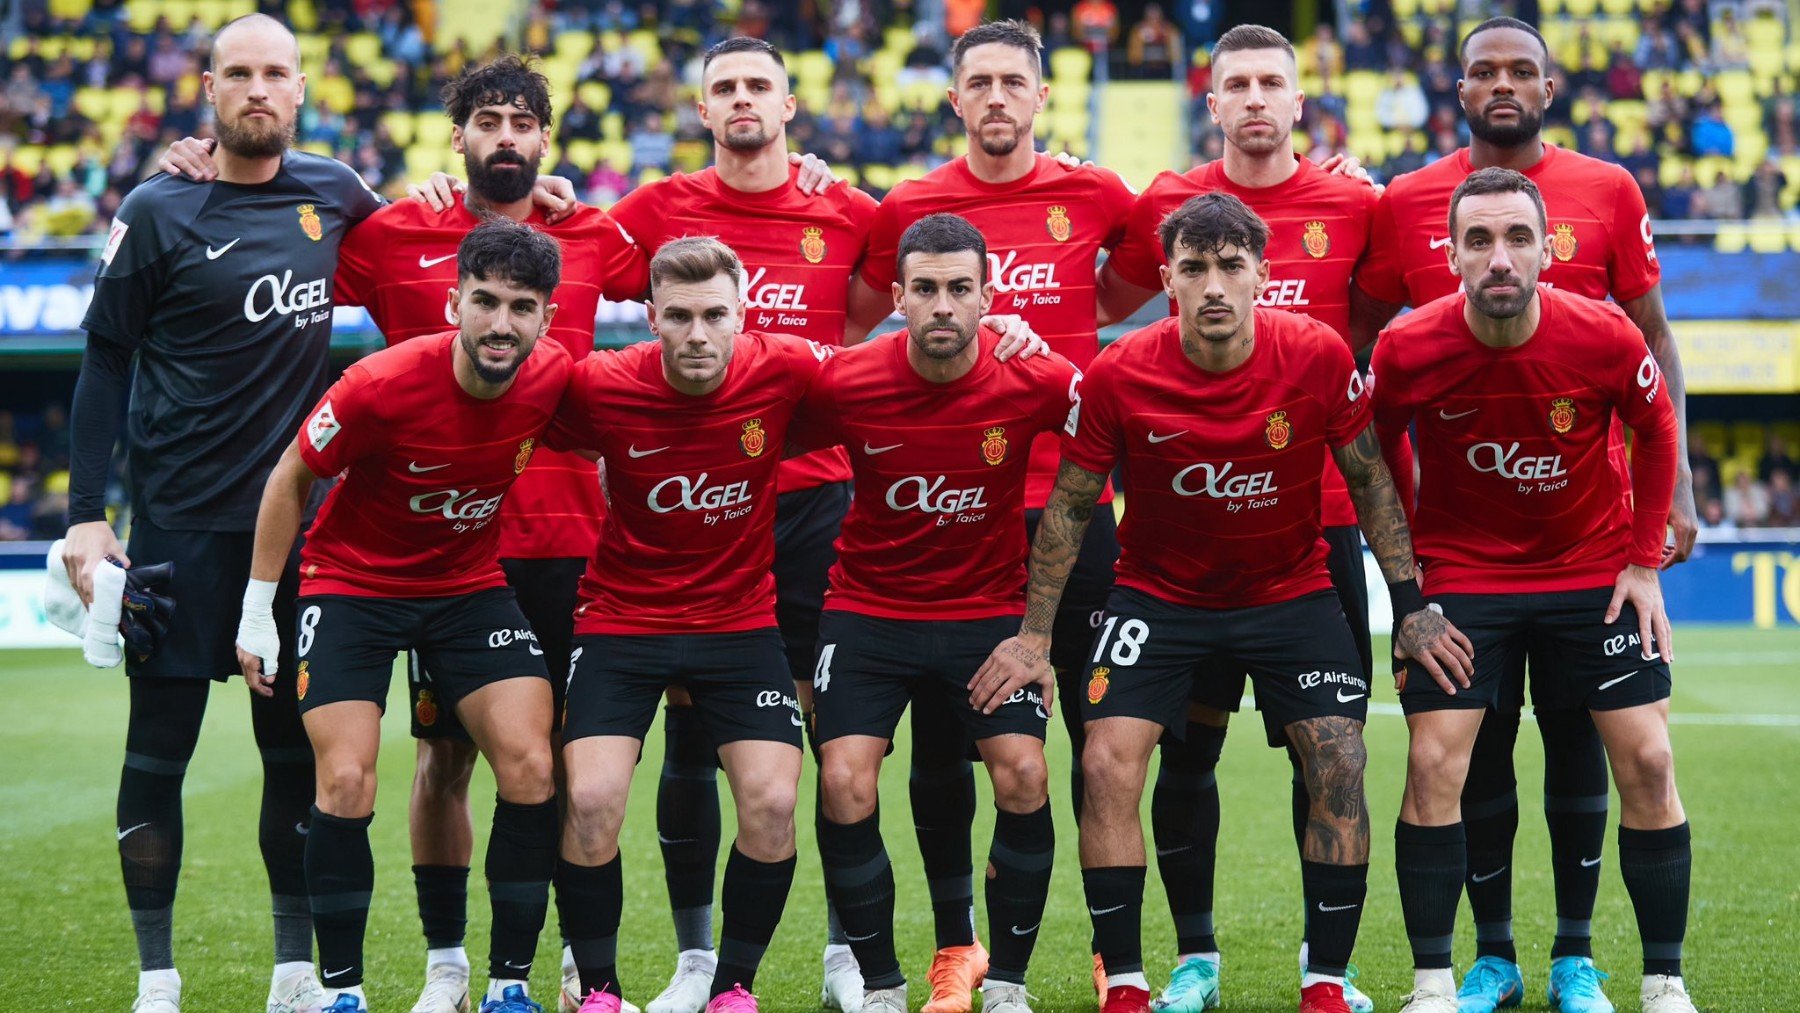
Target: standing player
[
  {"x": 1045, "y": 226},
  {"x": 1600, "y": 246},
  {"x": 402, "y": 557},
  {"x": 1318, "y": 229},
  {"x": 679, "y": 592},
  {"x": 222, "y": 292},
  {"x": 928, "y": 580},
  {"x": 1219, "y": 415},
  {"x": 398, "y": 264},
  {"x": 1513, "y": 387}
]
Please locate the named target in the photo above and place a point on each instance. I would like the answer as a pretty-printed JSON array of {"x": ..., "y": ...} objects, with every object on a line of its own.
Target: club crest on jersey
[
  {"x": 310, "y": 224},
  {"x": 1098, "y": 684},
  {"x": 426, "y": 710},
  {"x": 1279, "y": 431},
  {"x": 812, "y": 244},
  {"x": 1562, "y": 414},
  {"x": 993, "y": 445},
  {"x": 754, "y": 440},
  {"x": 1563, "y": 243},
  {"x": 524, "y": 457},
  {"x": 303, "y": 679},
  {"x": 1058, "y": 223},
  {"x": 1317, "y": 243}
]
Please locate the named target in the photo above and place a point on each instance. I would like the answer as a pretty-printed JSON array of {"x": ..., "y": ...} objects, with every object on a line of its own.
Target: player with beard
[
  {"x": 1514, "y": 388},
  {"x": 222, "y": 293},
  {"x": 428, "y": 436},
  {"x": 1045, "y": 225},
  {"x": 1318, "y": 229},
  {"x": 1219, "y": 415},
  {"x": 1600, "y": 246},
  {"x": 799, "y": 252}
]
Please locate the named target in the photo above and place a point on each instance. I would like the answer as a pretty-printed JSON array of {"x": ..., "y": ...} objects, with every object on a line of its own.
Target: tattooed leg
[{"x": 1332, "y": 755}]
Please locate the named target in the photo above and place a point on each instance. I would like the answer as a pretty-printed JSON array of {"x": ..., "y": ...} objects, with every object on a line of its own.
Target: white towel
[
  {"x": 98, "y": 628},
  {"x": 62, "y": 604}
]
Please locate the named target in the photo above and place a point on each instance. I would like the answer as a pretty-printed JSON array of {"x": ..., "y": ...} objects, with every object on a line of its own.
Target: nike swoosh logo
[
  {"x": 635, "y": 452},
  {"x": 526, "y": 966},
  {"x": 1608, "y": 684},
  {"x": 212, "y": 254},
  {"x": 1164, "y": 439},
  {"x": 435, "y": 261},
  {"x": 301, "y": 829},
  {"x": 1484, "y": 877},
  {"x": 413, "y": 466},
  {"x": 1346, "y": 699},
  {"x": 683, "y": 840},
  {"x": 341, "y": 970},
  {"x": 1339, "y": 907},
  {"x": 1025, "y": 932},
  {"x": 1162, "y": 852},
  {"x": 1446, "y": 416},
  {"x": 1106, "y": 911},
  {"x": 127, "y": 831},
  {"x": 795, "y": 718},
  {"x": 861, "y": 939},
  {"x": 1438, "y": 244},
  {"x": 1589, "y": 863},
  {"x": 535, "y": 649},
  {"x": 872, "y": 451}
]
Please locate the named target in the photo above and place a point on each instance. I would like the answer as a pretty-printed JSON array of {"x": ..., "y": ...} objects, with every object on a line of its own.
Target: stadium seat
[
  {"x": 575, "y": 45},
  {"x": 1071, "y": 63},
  {"x": 70, "y": 10},
  {"x": 399, "y": 125},
  {"x": 1768, "y": 236},
  {"x": 1711, "y": 436},
  {"x": 647, "y": 44},
  {"x": 1748, "y": 439},
  {"x": 1732, "y": 238}
]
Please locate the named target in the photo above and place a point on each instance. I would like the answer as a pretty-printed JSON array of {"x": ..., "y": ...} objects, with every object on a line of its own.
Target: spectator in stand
[
  {"x": 1762, "y": 194},
  {"x": 1401, "y": 105},
  {"x": 579, "y": 123},
  {"x": 9, "y": 441},
  {"x": 1151, "y": 47},
  {"x": 1730, "y": 49},
  {"x": 880, "y": 143},
  {"x": 1059, "y": 34},
  {"x": 1656, "y": 49},
  {"x": 605, "y": 185},
  {"x": 1723, "y": 201},
  {"x": 1784, "y": 500},
  {"x": 1775, "y": 457},
  {"x": 1682, "y": 201},
  {"x": 1438, "y": 83},
  {"x": 1747, "y": 500},
  {"x": 1692, "y": 15},
  {"x": 1714, "y": 518},
  {"x": 1624, "y": 80},
  {"x": 651, "y": 146},
  {"x": 1639, "y": 159},
  {"x": 1096, "y": 24},
  {"x": 17, "y": 513},
  {"x": 1710, "y": 134},
  {"x": 1597, "y": 139},
  {"x": 1781, "y": 122},
  {"x": 1650, "y": 183},
  {"x": 1589, "y": 73},
  {"x": 1322, "y": 54}
]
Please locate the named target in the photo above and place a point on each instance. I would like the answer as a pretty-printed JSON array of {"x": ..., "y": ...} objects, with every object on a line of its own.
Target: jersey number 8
[{"x": 309, "y": 622}]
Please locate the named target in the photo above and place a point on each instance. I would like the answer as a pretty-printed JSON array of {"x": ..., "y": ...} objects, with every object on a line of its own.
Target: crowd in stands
[
  {"x": 1753, "y": 488},
  {"x": 34, "y": 474}
]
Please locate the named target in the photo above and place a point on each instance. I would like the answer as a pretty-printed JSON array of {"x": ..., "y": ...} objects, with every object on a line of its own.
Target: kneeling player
[
  {"x": 679, "y": 592},
  {"x": 1220, "y": 415},
  {"x": 1513, "y": 388},
  {"x": 927, "y": 582},
  {"x": 428, "y": 435}
]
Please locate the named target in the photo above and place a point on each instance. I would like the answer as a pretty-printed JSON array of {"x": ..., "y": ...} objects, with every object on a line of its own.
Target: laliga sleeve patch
[
  {"x": 322, "y": 427},
  {"x": 114, "y": 238}
]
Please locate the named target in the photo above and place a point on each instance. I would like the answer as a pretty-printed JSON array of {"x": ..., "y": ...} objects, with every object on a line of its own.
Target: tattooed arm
[
  {"x": 1420, "y": 633},
  {"x": 1025, "y": 659},
  {"x": 1332, "y": 758}
]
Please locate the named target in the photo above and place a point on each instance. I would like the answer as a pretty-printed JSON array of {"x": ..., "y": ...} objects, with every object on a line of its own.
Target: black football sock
[
  {"x": 860, "y": 880},
  {"x": 1184, "y": 822},
  {"x": 1115, "y": 900},
  {"x": 1657, "y": 866},
  {"x": 1299, "y": 800},
  {"x": 1575, "y": 803},
  {"x": 1429, "y": 862},
  {"x": 941, "y": 786},
  {"x": 589, "y": 900},
  {"x": 288, "y": 789},
  {"x": 687, "y": 824},
  {"x": 1490, "y": 808},
  {"x": 1018, "y": 885},
  {"x": 443, "y": 903},
  {"x": 160, "y": 736},
  {"x": 340, "y": 876},
  {"x": 755, "y": 893},
  {"x": 521, "y": 858},
  {"x": 1069, "y": 689},
  {"x": 1334, "y": 905}
]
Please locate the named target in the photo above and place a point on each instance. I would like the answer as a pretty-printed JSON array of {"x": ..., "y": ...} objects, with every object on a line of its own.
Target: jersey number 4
[{"x": 822, "y": 671}]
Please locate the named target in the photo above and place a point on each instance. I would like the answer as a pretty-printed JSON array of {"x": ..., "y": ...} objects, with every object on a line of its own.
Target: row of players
[{"x": 199, "y": 468}]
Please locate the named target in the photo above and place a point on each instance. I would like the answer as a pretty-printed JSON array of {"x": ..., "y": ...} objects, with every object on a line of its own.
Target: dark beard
[
  {"x": 747, "y": 142},
  {"x": 500, "y": 186},
  {"x": 1519, "y": 134},
  {"x": 1500, "y": 308},
  {"x": 489, "y": 374},
  {"x": 249, "y": 142}
]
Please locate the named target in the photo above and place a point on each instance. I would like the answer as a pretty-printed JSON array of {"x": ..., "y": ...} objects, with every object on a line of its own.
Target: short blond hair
[{"x": 694, "y": 259}]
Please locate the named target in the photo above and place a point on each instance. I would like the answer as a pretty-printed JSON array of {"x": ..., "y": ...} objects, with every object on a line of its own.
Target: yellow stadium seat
[
  {"x": 1736, "y": 88},
  {"x": 1619, "y": 8},
  {"x": 596, "y": 94},
  {"x": 576, "y": 45},
  {"x": 583, "y": 153},
  {"x": 811, "y": 68},
  {"x": 618, "y": 153},
  {"x": 432, "y": 129},
  {"x": 70, "y": 10},
  {"x": 1405, "y": 9},
  {"x": 302, "y": 15},
  {"x": 921, "y": 95},
  {"x": 363, "y": 48},
  {"x": 212, "y": 13},
  {"x": 646, "y": 43},
  {"x": 141, "y": 15},
  {"x": 881, "y": 177},
  {"x": 28, "y": 158},
  {"x": 82, "y": 47},
  {"x": 1580, "y": 9},
  {"x": 94, "y": 103},
  {"x": 399, "y": 125},
  {"x": 651, "y": 174},
  {"x": 1071, "y": 63},
  {"x": 62, "y": 158},
  {"x": 898, "y": 39},
  {"x": 1549, "y": 9},
  {"x": 1731, "y": 238},
  {"x": 178, "y": 13},
  {"x": 1668, "y": 173},
  {"x": 1712, "y": 436},
  {"x": 1689, "y": 82},
  {"x": 1768, "y": 237},
  {"x": 382, "y": 72},
  {"x": 1748, "y": 439},
  {"x": 313, "y": 49}
]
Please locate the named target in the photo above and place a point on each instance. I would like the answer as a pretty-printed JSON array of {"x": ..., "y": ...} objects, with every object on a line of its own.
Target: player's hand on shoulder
[
  {"x": 1016, "y": 337},
  {"x": 815, "y": 176},
  {"x": 556, "y": 196},
  {"x": 258, "y": 642},
  {"x": 1642, "y": 587},
  {"x": 1017, "y": 662},
  {"x": 438, "y": 193},
  {"x": 1351, "y": 167},
  {"x": 190, "y": 157},
  {"x": 1070, "y": 162},
  {"x": 1438, "y": 646},
  {"x": 86, "y": 546}
]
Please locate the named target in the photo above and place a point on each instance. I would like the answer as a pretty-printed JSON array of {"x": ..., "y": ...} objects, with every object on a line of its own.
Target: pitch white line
[{"x": 1677, "y": 718}]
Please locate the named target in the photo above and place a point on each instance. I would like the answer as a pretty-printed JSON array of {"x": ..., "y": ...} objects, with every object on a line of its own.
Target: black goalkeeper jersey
[{"x": 223, "y": 292}]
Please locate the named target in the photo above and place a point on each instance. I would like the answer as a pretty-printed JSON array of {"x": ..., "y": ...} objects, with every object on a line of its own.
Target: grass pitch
[{"x": 65, "y": 938}]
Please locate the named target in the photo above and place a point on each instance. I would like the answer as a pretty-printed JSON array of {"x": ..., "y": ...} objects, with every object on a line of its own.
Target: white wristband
[{"x": 259, "y": 594}]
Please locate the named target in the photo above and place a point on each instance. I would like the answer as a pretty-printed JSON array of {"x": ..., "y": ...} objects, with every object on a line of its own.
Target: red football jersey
[
  {"x": 400, "y": 263},
  {"x": 688, "y": 541},
  {"x": 1044, "y": 234},
  {"x": 1221, "y": 469},
  {"x": 799, "y": 254},
  {"x": 937, "y": 526},
  {"x": 1516, "y": 490},
  {"x": 425, "y": 465},
  {"x": 1318, "y": 230},
  {"x": 1600, "y": 240}
]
